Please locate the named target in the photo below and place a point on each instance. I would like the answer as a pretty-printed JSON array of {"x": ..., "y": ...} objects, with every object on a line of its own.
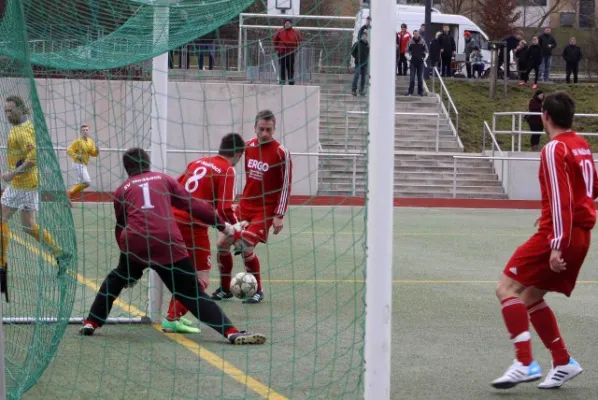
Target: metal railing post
[
  {"x": 353, "y": 184},
  {"x": 513, "y": 132},
  {"x": 519, "y": 129},
  {"x": 437, "y": 132},
  {"x": 457, "y": 127},
  {"x": 346, "y": 130},
  {"x": 454, "y": 178},
  {"x": 483, "y": 139}
]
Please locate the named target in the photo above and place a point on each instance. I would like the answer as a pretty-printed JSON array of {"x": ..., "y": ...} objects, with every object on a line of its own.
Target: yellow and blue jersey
[{"x": 80, "y": 150}]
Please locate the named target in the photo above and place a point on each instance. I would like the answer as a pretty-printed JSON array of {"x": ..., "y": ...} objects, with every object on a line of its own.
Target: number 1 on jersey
[
  {"x": 147, "y": 201},
  {"x": 587, "y": 169}
]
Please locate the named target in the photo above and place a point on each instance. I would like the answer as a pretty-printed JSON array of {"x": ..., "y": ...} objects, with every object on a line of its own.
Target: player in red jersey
[
  {"x": 263, "y": 205},
  {"x": 551, "y": 259},
  {"x": 211, "y": 179},
  {"x": 148, "y": 236}
]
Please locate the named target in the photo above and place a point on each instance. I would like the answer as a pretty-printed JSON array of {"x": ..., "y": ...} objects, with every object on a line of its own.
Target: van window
[{"x": 480, "y": 40}]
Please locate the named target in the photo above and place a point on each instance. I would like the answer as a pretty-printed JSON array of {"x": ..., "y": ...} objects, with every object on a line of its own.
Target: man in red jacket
[
  {"x": 286, "y": 41},
  {"x": 403, "y": 38}
]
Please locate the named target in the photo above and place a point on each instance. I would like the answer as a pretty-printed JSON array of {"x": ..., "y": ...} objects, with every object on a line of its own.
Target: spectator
[
  {"x": 534, "y": 56},
  {"x": 448, "y": 49},
  {"x": 572, "y": 56},
  {"x": 470, "y": 44},
  {"x": 418, "y": 52},
  {"x": 422, "y": 31},
  {"x": 286, "y": 41},
  {"x": 361, "y": 54},
  {"x": 522, "y": 56},
  {"x": 403, "y": 38},
  {"x": 512, "y": 42},
  {"x": 477, "y": 62},
  {"x": 535, "y": 121},
  {"x": 547, "y": 44},
  {"x": 366, "y": 27},
  {"x": 206, "y": 45},
  {"x": 435, "y": 52}
]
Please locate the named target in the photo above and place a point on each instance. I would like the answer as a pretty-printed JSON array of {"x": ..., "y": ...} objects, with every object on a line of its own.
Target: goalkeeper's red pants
[{"x": 197, "y": 241}]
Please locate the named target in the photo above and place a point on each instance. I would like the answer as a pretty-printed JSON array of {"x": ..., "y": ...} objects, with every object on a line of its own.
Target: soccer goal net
[{"x": 169, "y": 77}]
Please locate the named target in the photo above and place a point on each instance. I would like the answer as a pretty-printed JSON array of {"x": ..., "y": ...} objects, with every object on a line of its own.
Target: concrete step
[
  {"x": 409, "y": 188},
  {"x": 410, "y": 179},
  {"x": 426, "y": 194}
]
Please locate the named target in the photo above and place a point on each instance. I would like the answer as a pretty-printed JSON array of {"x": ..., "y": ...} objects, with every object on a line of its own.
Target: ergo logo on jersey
[{"x": 259, "y": 165}]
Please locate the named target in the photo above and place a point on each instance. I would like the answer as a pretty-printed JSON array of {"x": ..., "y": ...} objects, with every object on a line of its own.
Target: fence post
[
  {"x": 437, "y": 132},
  {"x": 519, "y": 145},
  {"x": 513, "y": 132},
  {"x": 346, "y": 130},
  {"x": 483, "y": 139},
  {"x": 454, "y": 178},
  {"x": 353, "y": 184}
]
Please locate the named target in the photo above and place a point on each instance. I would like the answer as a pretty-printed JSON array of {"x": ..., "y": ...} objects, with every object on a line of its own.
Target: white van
[{"x": 415, "y": 17}]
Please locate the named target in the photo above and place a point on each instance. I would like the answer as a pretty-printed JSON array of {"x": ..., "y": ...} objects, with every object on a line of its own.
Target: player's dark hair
[
  {"x": 231, "y": 145},
  {"x": 560, "y": 107},
  {"x": 18, "y": 100},
  {"x": 136, "y": 161},
  {"x": 268, "y": 115}
]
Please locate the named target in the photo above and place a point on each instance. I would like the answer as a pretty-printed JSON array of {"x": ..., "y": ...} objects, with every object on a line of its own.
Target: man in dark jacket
[
  {"x": 448, "y": 48},
  {"x": 512, "y": 42},
  {"x": 418, "y": 51},
  {"x": 547, "y": 43},
  {"x": 361, "y": 54},
  {"x": 470, "y": 44},
  {"x": 366, "y": 27},
  {"x": 572, "y": 56}
]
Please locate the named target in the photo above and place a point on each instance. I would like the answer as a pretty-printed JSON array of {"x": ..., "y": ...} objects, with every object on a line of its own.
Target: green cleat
[
  {"x": 180, "y": 326},
  {"x": 186, "y": 322}
]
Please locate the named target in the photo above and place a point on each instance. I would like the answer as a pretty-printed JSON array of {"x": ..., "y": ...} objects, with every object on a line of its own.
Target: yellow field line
[{"x": 208, "y": 356}]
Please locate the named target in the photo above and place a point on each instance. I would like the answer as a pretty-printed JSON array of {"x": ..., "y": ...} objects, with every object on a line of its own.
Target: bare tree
[
  {"x": 499, "y": 18},
  {"x": 542, "y": 13}
]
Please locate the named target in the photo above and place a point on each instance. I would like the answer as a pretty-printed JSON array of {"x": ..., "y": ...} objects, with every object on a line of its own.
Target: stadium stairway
[{"x": 419, "y": 170}]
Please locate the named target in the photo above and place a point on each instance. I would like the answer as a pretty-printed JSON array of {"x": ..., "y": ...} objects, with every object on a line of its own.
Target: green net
[{"x": 89, "y": 62}]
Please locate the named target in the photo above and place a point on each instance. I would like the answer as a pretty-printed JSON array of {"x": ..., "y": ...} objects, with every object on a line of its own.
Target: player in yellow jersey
[
  {"x": 80, "y": 151},
  {"x": 21, "y": 183}
]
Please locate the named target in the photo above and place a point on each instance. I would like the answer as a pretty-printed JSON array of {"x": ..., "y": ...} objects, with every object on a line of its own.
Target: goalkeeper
[{"x": 148, "y": 236}]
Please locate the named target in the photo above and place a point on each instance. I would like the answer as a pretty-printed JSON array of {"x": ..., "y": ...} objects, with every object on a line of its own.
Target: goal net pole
[
  {"x": 381, "y": 122},
  {"x": 159, "y": 136}
]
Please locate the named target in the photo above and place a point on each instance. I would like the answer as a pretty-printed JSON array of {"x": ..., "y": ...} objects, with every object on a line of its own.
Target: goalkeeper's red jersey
[
  {"x": 211, "y": 179},
  {"x": 268, "y": 170},
  {"x": 569, "y": 185}
]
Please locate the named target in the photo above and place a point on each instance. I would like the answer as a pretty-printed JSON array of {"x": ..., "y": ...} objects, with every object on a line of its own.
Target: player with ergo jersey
[
  {"x": 211, "y": 179},
  {"x": 263, "y": 204},
  {"x": 551, "y": 259}
]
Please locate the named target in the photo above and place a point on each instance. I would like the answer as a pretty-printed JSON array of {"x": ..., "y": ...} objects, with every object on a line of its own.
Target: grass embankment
[{"x": 471, "y": 99}]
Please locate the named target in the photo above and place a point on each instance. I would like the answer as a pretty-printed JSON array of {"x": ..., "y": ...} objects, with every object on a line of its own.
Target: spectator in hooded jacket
[
  {"x": 418, "y": 52},
  {"x": 403, "y": 38},
  {"x": 522, "y": 56},
  {"x": 448, "y": 49},
  {"x": 572, "y": 56},
  {"x": 547, "y": 44},
  {"x": 286, "y": 42},
  {"x": 534, "y": 56},
  {"x": 361, "y": 54}
]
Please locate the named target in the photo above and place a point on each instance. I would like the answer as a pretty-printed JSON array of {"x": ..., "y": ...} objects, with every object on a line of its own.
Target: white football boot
[
  {"x": 557, "y": 376},
  {"x": 518, "y": 373}
]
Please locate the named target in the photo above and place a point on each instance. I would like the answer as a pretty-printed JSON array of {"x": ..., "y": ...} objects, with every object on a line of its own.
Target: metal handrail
[
  {"x": 437, "y": 115},
  {"x": 450, "y": 99},
  {"x": 493, "y": 137},
  {"x": 489, "y": 158},
  {"x": 519, "y": 130}
]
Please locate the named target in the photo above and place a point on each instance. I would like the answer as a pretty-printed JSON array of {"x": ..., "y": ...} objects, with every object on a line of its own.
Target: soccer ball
[{"x": 243, "y": 285}]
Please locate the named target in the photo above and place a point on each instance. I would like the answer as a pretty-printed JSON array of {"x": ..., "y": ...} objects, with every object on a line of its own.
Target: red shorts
[
  {"x": 259, "y": 224},
  {"x": 529, "y": 265},
  {"x": 197, "y": 241}
]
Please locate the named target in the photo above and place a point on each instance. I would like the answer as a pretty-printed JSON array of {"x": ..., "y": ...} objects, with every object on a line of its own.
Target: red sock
[
  {"x": 230, "y": 331},
  {"x": 252, "y": 265},
  {"x": 176, "y": 310},
  {"x": 545, "y": 324},
  {"x": 514, "y": 313},
  {"x": 225, "y": 264},
  {"x": 92, "y": 323}
]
